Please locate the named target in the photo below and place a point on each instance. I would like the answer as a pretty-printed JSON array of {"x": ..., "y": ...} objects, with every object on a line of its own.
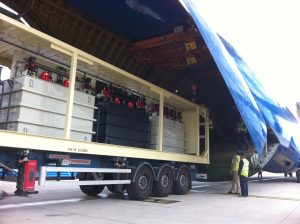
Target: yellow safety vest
[
  {"x": 236, "y": 165},
  {"x": 245, "y": 169}
]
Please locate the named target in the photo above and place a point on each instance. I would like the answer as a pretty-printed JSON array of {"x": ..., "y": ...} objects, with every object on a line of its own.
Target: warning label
[
  {"x": 58, "y": 156},
  {"x": 65, "y": 158},
  {"x": 80, "y": 161}
]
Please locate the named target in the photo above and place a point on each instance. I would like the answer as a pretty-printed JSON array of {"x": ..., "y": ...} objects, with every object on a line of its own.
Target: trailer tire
[
  {"x": 141, "y": 188},
  {"x": 90, "y": 190},
  {"x": 183, "y": 184},
  {"x": 164, "y": 184},
  {"x": 116, "y": 189},
  {"x": 298, "y": 175}
]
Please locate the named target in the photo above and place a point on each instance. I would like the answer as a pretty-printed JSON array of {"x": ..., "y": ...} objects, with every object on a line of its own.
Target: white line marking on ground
[
  {"x": 2, "y": 207},
  {"x": 198, "y": 191},
  {"x": 201, "y": 186},
  {"x": 266, "y": 179},
  {"x": 210, "y": 184}
]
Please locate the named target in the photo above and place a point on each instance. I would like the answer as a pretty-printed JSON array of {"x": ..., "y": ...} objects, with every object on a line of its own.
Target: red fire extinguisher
[
  {"x": 117, "y": 100},
  {"x": 66, "y": 83},
  {"x": 45, "y": 76}
]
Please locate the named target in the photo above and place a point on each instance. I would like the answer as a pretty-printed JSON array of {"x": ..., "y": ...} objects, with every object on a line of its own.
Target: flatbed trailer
[{"x": 156, "y": 168}]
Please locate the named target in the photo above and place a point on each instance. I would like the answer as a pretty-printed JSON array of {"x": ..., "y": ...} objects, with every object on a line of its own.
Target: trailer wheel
[
  {"x": 183, "y": 184},
  {"x": 116, "y": 188},
  {"x": 163, "y": 186},
  {"x": 298, "y": 175},
  {"x": 91, "y": 190},
  {"x": 141, "y": 188}
]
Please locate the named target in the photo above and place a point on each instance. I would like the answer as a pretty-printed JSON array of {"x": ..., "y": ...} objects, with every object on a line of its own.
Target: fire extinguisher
[
  {"x": 66, "y": 83},
  {"x": 45, "y": 76},
  {"x": 31, "y": 66}
]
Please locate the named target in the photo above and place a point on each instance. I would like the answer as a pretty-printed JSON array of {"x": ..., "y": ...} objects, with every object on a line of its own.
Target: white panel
[
  {"x": 46, "y": 131},
  {"x": 38, "y": 107},
  {"x": 169, "y": 132},
  {"x": 33, "y": 100},
  {"x": 49, "y": 89},
  {"x": 173, "y": 135},
  {"x": 167, "y": 122},
  {"x": 168, "y": 141},
  {"x": 43, "y": 118}
]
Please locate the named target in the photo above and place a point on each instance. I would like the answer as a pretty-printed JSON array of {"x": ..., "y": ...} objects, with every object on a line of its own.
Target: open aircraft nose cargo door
[{"x": 26, "y": 176}]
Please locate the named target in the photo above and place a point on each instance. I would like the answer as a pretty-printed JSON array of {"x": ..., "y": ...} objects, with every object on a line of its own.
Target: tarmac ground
[{"x": 275, "y": 199}]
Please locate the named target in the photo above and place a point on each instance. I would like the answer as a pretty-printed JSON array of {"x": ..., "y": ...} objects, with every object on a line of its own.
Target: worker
[
  {"x": 243, "y": 173},
  {"x": 235, "y": 188},
  {"x": 259, "y": 175},
  {"x": 242, "y": 135},
  {"x": 255, "y": 162}
]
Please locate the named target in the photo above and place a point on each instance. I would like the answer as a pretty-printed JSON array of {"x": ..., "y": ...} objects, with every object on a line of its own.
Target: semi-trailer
[{"x": 69, "y": 118}]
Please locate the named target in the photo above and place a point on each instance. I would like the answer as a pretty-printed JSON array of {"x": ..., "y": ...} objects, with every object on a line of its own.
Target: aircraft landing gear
[{"x": 298, "y": 175}]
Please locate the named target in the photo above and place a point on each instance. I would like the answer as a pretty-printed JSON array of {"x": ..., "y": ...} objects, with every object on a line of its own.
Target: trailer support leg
[{"x": 26, "y": 175}]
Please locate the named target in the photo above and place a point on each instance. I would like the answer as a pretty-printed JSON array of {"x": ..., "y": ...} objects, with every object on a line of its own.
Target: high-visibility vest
[
  {"x": 236, "y": 165},
  {"x": 245, "y": 169}
]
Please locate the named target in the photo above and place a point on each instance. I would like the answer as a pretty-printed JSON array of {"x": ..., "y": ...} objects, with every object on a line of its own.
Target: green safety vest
[
  {"x": 245, "y": 170},
  {"x": 236, "y": 165}
]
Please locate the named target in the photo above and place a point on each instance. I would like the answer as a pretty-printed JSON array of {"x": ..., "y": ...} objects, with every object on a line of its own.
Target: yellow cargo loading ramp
[{"x": 15, "y": 33}]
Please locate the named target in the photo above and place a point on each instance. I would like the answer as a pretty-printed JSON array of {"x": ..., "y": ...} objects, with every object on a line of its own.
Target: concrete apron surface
[{"x": 273, "y": 200}]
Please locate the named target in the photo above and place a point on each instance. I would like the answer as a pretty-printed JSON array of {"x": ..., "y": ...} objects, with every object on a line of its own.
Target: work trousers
[
  {"x": 235, "y": 188},
  {"x": 244, "y": 186}
]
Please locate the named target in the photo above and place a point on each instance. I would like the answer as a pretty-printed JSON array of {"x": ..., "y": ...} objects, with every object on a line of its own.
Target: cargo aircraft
[{"x": 261, "y": 114}]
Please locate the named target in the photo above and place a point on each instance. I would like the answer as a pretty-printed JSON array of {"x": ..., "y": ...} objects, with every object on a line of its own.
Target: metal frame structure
[{"x": 18, "y": 33}]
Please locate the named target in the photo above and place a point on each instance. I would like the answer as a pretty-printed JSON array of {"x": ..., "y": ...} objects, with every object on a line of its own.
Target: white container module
[
  {"x": 173, "y": 135},
  {"x": 38, "y": 107}
]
